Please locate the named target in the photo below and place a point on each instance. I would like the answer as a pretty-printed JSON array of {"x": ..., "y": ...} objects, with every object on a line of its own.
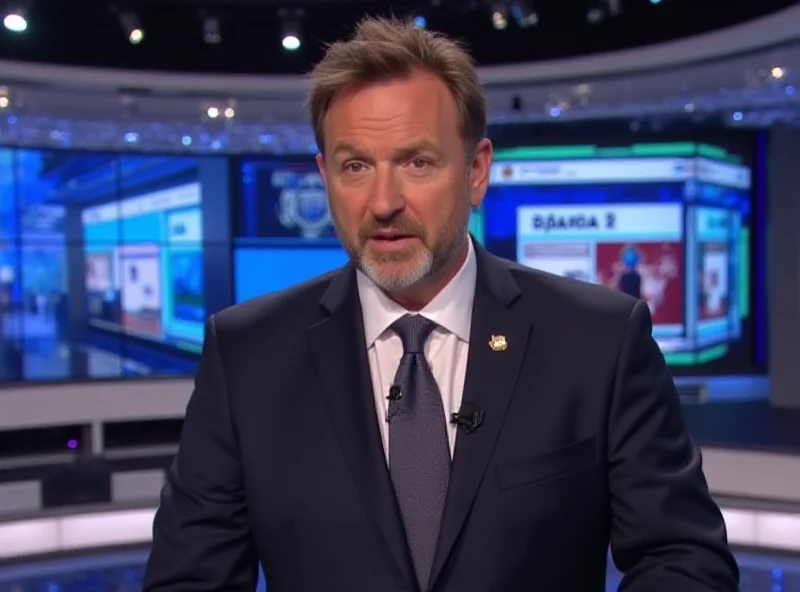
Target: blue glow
[{"x": 110, "y": 254}]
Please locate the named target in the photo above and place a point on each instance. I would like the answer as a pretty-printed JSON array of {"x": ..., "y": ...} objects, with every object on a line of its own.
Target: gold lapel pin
[{"x": 498, "y": 343}]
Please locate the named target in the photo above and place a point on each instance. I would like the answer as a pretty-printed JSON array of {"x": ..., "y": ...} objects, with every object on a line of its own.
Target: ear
[
  {"x": 321, "y": 166},
  {"x": 481, "y": 167}
]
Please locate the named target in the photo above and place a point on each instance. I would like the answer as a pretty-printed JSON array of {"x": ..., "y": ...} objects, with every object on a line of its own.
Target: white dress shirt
[{"x": 446, "y": 348}]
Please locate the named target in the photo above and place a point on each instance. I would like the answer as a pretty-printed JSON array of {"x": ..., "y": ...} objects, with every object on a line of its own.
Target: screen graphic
[
  {"x": 104, "y": 260},
  {"x": 140, "y": 271},
  {"x": 284, "y": 234},
  {"x": 667, "y": 224},
  {"x": 165, "y": 246}
]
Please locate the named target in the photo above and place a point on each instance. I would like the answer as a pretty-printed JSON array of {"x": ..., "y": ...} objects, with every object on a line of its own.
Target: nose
[{"x": 386, "y": 199}]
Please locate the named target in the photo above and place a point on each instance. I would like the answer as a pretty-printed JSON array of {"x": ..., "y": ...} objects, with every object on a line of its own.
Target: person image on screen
[
  {"x": 630, "y": 280},
  {"x": 430, "y": 417}
]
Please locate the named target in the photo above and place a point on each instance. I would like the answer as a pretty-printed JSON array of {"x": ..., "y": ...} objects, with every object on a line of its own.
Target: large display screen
[
  {"x": 665, "y": 223},
  {"x": 109, "y": 264},
  {"x": 282, "y": 226}
]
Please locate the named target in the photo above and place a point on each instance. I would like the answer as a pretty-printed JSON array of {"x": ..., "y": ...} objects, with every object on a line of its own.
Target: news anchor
[{"x": 430, "y": 417}]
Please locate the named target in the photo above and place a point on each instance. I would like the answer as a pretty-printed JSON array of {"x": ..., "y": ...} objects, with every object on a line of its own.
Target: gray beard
[{"x": 428, "y": 264}]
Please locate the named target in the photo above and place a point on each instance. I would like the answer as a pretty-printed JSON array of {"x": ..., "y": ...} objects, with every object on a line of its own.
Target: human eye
[
  {"x": 353, "y": 167},
  {"x": 419, "y": 164}
]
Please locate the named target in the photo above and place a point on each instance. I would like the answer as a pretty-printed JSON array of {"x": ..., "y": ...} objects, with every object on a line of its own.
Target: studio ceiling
[{"x": 89, "y": 33}]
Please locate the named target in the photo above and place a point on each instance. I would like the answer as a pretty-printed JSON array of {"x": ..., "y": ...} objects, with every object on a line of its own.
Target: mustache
[{"x": 396, "y": 226}]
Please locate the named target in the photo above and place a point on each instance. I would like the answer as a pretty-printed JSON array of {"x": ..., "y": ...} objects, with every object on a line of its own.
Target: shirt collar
[{"x": 451, "y": 309}]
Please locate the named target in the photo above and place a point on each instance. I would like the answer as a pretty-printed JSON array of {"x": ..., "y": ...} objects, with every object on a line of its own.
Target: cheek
[
  {"x": 347, "y": 212},
  {"x": 438, "y": 210}
]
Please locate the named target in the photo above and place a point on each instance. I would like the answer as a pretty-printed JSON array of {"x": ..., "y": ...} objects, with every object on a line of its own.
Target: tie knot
[{"x": 413, "y": 331}]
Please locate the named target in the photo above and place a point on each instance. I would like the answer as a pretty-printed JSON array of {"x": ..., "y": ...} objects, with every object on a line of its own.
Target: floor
[{"x": 122, "y": 572}]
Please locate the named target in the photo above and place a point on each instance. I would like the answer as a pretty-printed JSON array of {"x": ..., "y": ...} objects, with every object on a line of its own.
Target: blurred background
[{"x": 157, "y": 165}]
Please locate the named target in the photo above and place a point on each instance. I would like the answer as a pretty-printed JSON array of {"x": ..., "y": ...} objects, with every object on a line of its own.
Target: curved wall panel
[{"x": 778, "y": 28}]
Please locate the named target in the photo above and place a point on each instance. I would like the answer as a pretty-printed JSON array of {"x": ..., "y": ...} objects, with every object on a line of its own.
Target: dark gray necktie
[{"x": 419, "y": 449}]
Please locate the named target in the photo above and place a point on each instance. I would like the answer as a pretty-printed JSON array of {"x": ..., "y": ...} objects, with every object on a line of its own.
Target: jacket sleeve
[
  {"x": 667, "y": 534},
  {"x": 201, "y": 536}
]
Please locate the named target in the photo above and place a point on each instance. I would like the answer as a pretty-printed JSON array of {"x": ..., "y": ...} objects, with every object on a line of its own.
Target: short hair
[{"x": 389, "y": 48}]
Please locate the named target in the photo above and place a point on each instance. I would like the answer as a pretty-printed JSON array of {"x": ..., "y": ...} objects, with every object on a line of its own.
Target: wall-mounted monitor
[{"x": 666, "y": 223}]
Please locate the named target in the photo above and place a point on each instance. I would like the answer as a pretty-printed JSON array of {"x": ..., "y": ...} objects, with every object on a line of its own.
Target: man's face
[{"x": 400, "y": 184}]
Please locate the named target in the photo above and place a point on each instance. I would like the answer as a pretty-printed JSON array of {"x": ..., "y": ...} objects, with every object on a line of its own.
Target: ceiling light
[
  {"x": 290, "y": 29},
  {"x": 15, "y": 21},
  {"x": 500, "y": 16},
  {"x": 131, "y": 27},
  {"x": 778, "y": 73}
]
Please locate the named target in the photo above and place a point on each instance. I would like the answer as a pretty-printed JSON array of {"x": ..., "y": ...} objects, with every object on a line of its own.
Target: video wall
[
  {"x": 666, "y": 223},
  {"x": 107, "y": 262},
  {"x": 110, "y": 264},
  {"x": 282, "y": 226}
]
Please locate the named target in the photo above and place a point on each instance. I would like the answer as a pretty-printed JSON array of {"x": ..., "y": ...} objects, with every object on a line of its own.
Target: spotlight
[
  {"x": 291, "y": 29},
  {"x": 131, "y": 27},
  {"x": 15, "y": 21},
  {"x": 290, "y": 42},
  {"x": 777, "y": 73},
  {"x": 500, "y": 16}
]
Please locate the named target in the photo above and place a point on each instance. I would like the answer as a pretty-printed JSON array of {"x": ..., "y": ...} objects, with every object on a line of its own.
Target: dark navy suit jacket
[{"x": 583, "y": 444}]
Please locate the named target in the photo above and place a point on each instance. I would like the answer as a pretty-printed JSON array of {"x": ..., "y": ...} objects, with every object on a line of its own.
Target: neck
[{"x": 418, "y": 297}]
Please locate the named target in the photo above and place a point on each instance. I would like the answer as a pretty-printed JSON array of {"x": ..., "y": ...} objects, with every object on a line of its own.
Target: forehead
[{"x": 417, "y": 104}]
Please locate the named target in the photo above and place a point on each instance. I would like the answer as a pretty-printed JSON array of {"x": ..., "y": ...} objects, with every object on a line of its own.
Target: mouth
[{"x": 390, "y": 237}]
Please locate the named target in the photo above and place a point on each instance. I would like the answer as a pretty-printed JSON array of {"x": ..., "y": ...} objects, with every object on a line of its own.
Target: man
[{"x": 320, "y": 439}]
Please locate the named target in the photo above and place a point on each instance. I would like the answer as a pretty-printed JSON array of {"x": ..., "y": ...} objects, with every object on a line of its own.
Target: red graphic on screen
[
  {"x": 712, "y": 281},
  {"x": 649, "y": 271}
]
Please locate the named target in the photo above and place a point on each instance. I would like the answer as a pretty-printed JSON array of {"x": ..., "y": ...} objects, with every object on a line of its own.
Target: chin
[{"x": 396, "y": 276}]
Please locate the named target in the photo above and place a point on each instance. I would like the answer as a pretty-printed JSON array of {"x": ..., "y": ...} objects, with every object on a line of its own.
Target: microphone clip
[
  {"x": 395, "y": 393},
  {"x": 468, "y": 422}
]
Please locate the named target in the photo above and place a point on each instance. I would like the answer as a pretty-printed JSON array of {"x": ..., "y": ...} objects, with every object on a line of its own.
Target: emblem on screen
[
  {"x": 302, "y": 203},
  {"x": 304, "y": 209}
]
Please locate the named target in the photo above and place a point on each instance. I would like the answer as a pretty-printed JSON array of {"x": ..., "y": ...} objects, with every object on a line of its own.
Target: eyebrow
[{"x": 413, "y": 147}]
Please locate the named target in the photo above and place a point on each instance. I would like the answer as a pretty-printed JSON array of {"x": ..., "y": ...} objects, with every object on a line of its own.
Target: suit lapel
[
  {"x": 490, "y": 381},
  {"x": 340, "y": 355}
]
